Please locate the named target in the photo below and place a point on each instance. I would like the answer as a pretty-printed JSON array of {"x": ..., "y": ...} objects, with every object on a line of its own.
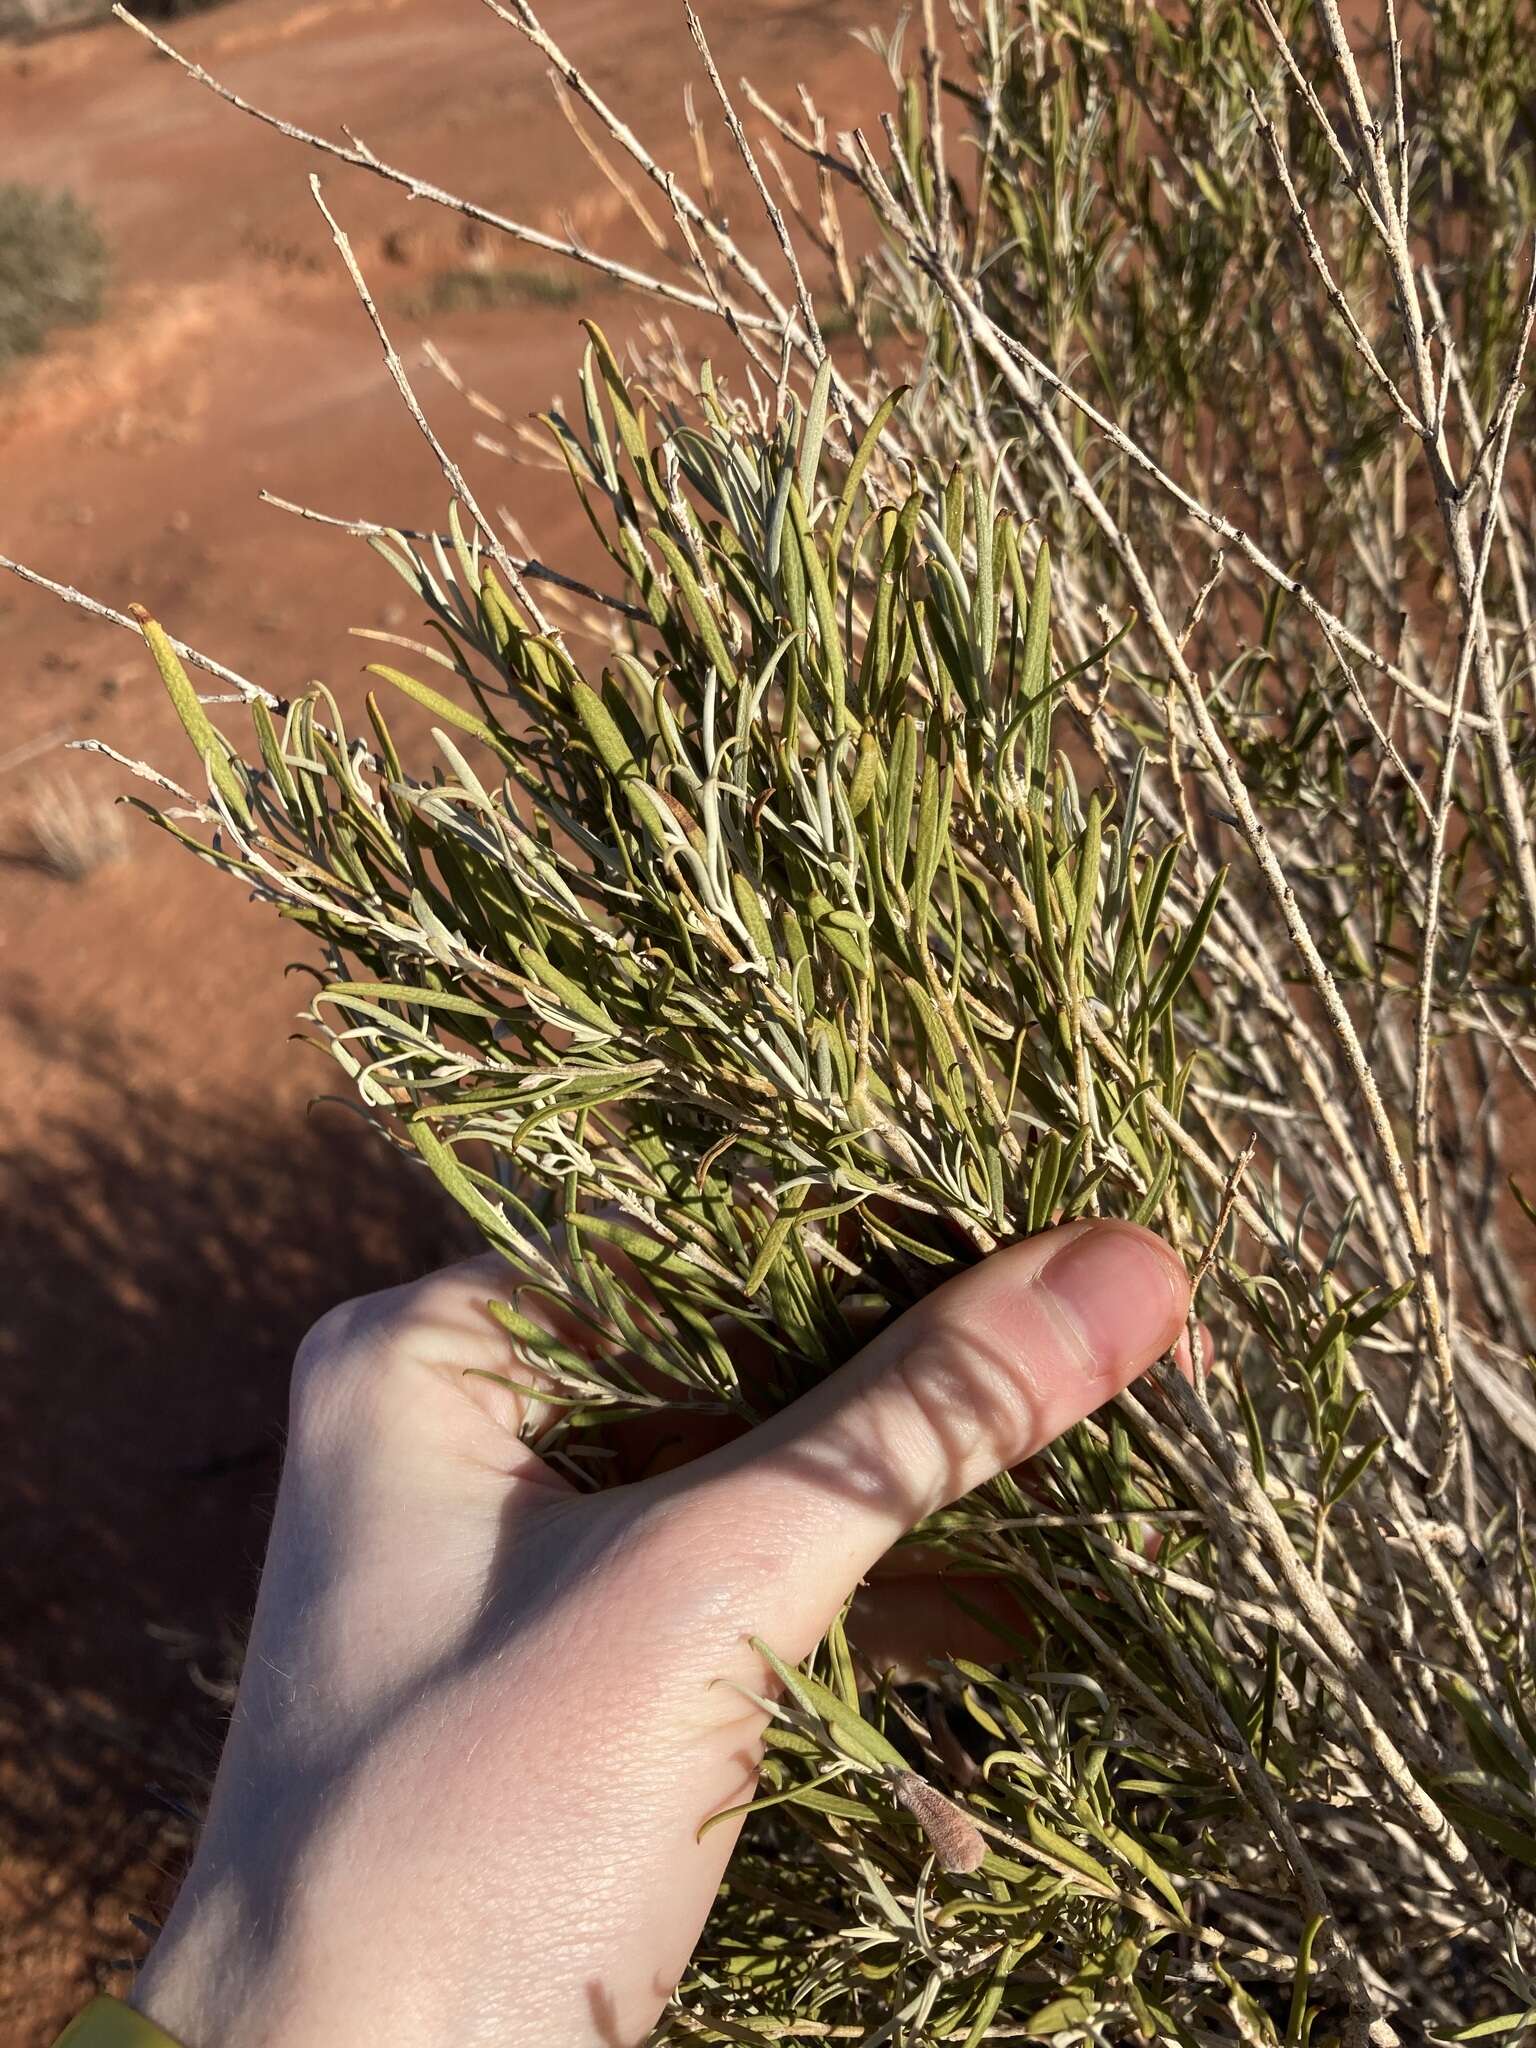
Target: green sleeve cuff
[{"x": 108, "y": 2023}]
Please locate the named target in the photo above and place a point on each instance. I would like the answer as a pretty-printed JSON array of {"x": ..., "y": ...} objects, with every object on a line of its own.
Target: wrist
[
  {"x": 218, "y": 1978},
  {"x": 192, "y": 1987}
]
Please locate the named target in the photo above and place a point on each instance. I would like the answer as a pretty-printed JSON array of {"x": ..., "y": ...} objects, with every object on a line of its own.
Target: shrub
[
  {"x": 930, "y": 839},
  {"x": 470, "y": 290},
  {"x": 28, "y": 19},
  {"x": 53, "y": 267}
]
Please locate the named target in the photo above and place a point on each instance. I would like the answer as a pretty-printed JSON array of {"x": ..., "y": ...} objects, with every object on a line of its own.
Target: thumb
[{"x": 985, "y": 1371}]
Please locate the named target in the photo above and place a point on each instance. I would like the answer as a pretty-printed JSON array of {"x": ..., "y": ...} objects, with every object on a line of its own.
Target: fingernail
[{"x": 1123, "y": 1291}]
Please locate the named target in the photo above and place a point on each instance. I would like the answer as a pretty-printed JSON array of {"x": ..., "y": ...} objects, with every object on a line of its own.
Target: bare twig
[{"x": 98, "y": 610}]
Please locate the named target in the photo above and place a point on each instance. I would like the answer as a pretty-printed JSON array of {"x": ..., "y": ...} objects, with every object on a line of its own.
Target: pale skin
[{"x": 484, "y": 1714}]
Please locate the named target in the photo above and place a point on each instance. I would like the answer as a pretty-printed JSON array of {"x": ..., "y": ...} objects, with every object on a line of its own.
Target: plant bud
[{"x": 956, "y": 1841}]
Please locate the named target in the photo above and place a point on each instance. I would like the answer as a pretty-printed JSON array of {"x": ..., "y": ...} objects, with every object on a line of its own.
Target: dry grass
[{"x": 76, "y": 831}]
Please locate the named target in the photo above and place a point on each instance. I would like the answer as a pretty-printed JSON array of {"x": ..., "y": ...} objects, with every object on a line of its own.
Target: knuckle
[
  {"x": 345, "y": 1347},
  {"x": 971, "y": 1410},
  {"x": 327, "y": 1358},
  {"x": 356, "y": 1348}
]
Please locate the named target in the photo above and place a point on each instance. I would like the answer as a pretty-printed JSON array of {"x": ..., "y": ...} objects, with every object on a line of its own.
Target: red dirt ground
[{"x": 171, "y": 1214}]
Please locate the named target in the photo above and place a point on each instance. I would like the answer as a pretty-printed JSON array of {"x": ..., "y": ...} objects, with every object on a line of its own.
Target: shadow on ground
[{"x": 160, "y": 1264}]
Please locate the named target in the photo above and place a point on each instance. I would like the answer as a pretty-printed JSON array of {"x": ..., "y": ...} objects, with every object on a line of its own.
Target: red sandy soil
[{"x": 172, "y": 1213}]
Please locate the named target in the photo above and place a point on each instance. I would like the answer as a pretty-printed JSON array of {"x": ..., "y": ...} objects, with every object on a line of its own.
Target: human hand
[{"x": 484, "y": 1715}]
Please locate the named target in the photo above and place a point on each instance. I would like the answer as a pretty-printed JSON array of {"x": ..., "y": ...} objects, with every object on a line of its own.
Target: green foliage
[
  {"x": 53, "y": 267},
  {"x": 926, "y": 843},
  {"x": 831, "y": 924}
]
